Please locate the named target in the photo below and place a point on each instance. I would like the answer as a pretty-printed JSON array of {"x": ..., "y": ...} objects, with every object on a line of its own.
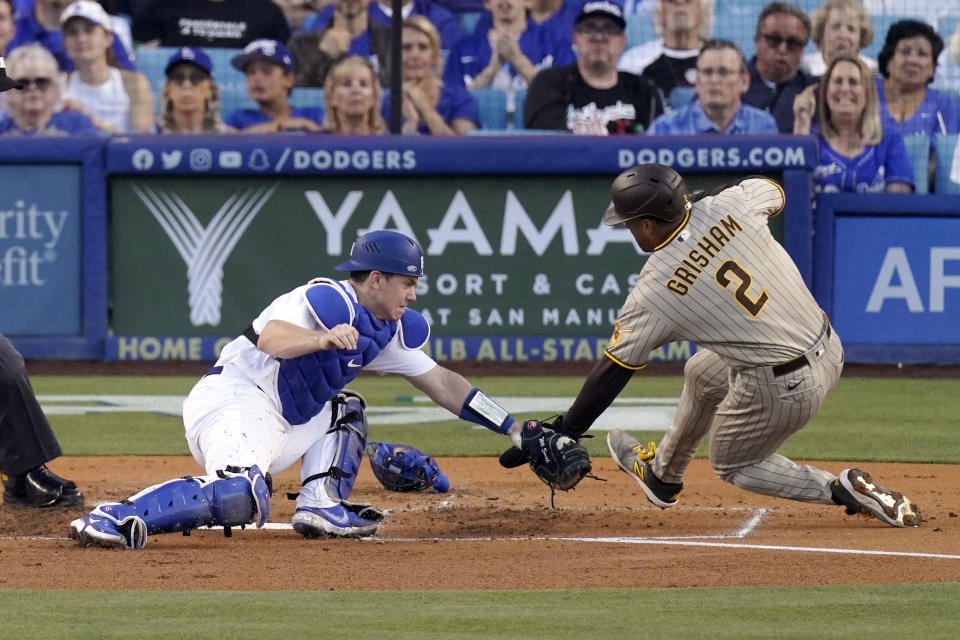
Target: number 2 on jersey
[{"x": 723, "y": 276}]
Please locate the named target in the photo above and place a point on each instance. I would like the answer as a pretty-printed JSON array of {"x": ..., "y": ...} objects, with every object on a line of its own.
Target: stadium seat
[
  {"x": 468, "y": 21},
  {"x": 639, "y": 29},
  {"x": 518, "y": 114},
  {"x": 492, "y": 104},
  {"x": 302, "y": 97},
  {"x": 682, "y": 96},
  {"x": 945, "y": 147},
  {"x": 918, "y": 148}
]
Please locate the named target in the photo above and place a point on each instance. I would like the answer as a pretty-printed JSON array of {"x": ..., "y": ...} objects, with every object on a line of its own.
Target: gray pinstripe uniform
[{"x": 766, "y": 353}]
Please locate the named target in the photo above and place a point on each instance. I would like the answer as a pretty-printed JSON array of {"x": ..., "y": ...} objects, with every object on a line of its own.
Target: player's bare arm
[{"x": 282, "y": 339}]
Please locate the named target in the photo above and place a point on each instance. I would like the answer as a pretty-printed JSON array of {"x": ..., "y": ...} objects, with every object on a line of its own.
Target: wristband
[{"x": 479, "y": 409}]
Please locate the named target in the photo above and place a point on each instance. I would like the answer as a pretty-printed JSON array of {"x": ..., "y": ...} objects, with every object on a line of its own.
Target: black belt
[
  {"x": 797, "y": 363},
  {"x": 213, "y": 371}
]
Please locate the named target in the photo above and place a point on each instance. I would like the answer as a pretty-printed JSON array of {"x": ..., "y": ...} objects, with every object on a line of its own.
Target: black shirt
[
  {"x": 560, "y": 99},
  {"x": 778, "y": 100},
  {"x": 668, "y": 73},
  {"x": 202, "y": 23}
]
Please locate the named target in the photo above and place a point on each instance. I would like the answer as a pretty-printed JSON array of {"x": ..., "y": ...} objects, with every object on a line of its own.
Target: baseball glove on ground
[{"x": 560, "y": 461}]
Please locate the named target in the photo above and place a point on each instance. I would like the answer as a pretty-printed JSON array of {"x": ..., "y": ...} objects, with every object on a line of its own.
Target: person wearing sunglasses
[
  {"x": 33, "y": 111},
  {"x": 190, "y": 101},
  {"x": 722, "y": 79},
  {"x": 117, "y": 100},
  {"x": 775, "y": 75}
]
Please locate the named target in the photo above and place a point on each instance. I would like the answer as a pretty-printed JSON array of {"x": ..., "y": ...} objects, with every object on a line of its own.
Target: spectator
[
  {"x": 445, "y": 23},
  {"x": 27, "y": 442},
  {"x": 7, "y": 27},
  {"x": 907, "y": 63},
  {"x": 348, "y": 31},
  {"x": 190, "y": 101},
  {"x": 857, "y": 154},
  {"x": 429, "y": 105},
  {"x": 209, "y": 23},
  {"x": 39, "y": 21},
  {"x": 298, "y": 12},
  {"x": 352, "y": 96},
  {"x": 591, "y": 96},
  {"x": 116, "y": 100},
  {"x": 555, "y": 19},
  {"x": 722, "y": 79},
  {"x": 775, "y": 75},
  {"x": 506, "y": 56},
  {"x": 839, "y": 26},
  {"x": 671, "y": 60},
  {"x": 268, "y": 66},
  {"x": 32, "y": 111}
]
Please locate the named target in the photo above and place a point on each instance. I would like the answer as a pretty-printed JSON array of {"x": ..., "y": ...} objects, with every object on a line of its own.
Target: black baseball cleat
[{"x": 40, "y": 487}]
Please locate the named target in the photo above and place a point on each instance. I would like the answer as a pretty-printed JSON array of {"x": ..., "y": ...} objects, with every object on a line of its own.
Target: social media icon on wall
[
  {"x": 230, "y": 159},
  {"x": 142, "y": 159},
  {"x": 201, "y": 159},
  {"x": 171, "y": 160}
]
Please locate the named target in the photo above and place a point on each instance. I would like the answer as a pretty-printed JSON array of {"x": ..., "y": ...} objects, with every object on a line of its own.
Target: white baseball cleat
[
  {"x": 856, "y": 490},
  {"x": 314, "y": 522}
]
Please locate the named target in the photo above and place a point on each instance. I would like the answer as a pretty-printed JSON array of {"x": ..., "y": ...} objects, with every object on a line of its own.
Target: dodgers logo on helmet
[{"x": 387, "y": 251}]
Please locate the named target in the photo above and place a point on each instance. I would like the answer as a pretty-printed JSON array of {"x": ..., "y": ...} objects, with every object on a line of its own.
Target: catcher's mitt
[
  {"x": 399, "y": 467},
  {"x": 559, "y": 460}
]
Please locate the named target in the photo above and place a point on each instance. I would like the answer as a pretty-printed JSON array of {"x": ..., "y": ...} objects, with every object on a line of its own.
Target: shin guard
[
  {"x": 349, "y": 425},
  {"x": 235, "y": 496}
]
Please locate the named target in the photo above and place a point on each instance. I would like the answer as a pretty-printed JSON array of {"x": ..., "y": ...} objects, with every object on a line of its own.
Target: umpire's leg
[{"x": 26, "y": 438}]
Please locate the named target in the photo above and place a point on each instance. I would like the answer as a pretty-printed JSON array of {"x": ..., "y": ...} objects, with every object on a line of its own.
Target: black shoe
[{"x": 40, "y": 487}]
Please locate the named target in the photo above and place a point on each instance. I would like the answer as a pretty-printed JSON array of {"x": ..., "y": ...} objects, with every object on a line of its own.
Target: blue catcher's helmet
[
  {"x": 400, "y": 467},
  {"x": 387, "y": 251}
]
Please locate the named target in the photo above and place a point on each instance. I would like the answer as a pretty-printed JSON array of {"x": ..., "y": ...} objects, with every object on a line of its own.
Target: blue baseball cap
[
  {"x": 192, "y": 55},
  {"x": 272, "y": 50}
]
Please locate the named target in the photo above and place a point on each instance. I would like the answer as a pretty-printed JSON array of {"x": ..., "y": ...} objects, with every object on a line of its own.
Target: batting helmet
[
  {"x": 652, "y": 190},
  {"x": 387, "y": 251}
]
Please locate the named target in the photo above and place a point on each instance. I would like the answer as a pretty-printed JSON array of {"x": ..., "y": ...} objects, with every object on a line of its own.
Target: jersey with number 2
[{"x": 722, "y": 281}]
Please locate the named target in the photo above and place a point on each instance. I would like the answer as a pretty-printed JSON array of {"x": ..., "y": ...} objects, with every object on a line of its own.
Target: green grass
[
  {"x": 864, "y": 419},
  {"x": 884, "y": 611}
]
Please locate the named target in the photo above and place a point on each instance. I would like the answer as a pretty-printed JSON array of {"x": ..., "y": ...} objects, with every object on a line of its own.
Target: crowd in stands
[{"x": 814, "y": 67}]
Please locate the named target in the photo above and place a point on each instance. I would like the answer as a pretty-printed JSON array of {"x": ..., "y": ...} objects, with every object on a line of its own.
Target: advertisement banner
[
  {"x": 896, "y": 280},
  {"x": 40, "y": 250},
  {"x": 195, "y": 261}
]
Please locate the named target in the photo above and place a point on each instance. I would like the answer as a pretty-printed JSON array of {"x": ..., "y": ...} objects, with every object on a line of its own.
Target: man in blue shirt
[
  {"x": 722, "y": 79},
  {"x": 268, "y": 66}
]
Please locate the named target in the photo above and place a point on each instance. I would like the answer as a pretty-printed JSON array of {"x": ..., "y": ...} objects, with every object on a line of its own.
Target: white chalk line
[{"x": 681, "y": 541}]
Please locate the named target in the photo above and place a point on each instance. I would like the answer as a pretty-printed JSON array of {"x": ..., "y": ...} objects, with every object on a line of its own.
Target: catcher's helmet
[
  {"x": 387, "y": 251},
  {"x": 651, "y": 190}
]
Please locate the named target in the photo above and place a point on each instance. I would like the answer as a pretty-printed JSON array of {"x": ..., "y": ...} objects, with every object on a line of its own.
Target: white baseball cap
[{"x": 88, "y": 10}]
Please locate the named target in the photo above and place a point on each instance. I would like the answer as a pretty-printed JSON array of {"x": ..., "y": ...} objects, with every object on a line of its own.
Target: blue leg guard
[
  {"x": 236, "y": 496},
  {"x": 349, "y": 423}
]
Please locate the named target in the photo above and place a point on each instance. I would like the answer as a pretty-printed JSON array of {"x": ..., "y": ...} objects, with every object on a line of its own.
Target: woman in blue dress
[
  {"x": 857, "y": 153},
  {"x": 431, "y": 106},
  {"x": 907, "y": 63}
]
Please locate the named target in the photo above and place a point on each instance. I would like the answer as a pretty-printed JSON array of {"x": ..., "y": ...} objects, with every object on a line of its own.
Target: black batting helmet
[{"x": 652, "y": 190}]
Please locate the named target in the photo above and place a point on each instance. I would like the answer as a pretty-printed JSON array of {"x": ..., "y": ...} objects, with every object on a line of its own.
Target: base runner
[{"x": 766, "y": 357}]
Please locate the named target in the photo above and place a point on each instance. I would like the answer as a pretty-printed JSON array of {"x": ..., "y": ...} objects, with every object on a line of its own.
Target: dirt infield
[{"x": 495, "y": 530}]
